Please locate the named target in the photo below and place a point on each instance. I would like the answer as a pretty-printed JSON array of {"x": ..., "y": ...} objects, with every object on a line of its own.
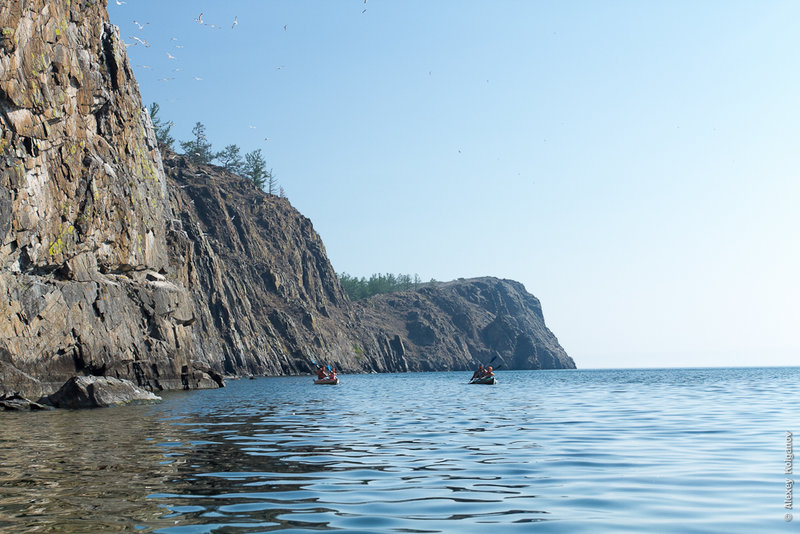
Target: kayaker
[
  {"x": 479, "y": 373},
  {"x": 321, "y": 374},
  {"x": 489, "y": 372},
  {"x": 332, "y": 376}
]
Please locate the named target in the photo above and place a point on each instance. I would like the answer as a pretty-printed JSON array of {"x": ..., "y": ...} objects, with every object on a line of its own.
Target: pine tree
[
  {"x": 272, "y": 183},
  {"x": 255, "y": 168},
  {"x": 231, "y": 159},
  {"x": 162, "y": 128},
  {"x": 199, "y": 150}
]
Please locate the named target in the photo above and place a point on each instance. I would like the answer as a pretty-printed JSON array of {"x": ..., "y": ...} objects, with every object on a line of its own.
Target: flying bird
[
  {"x": 199, "y": 19},
  {"x": 198, "y": 78},
  {"x": 145, "y": 67},
  {"x": 142, "y": 41},
  {"x": 284, "y": 27},
  {"x": 252, "y": 127},
  {"x": 120, "y": 3},
  {"x": 170, "y": 56},
  {"x": 140, "y": 26},
  {"x": 165, "y": 79},
  {"x": 235, "y": 22}
]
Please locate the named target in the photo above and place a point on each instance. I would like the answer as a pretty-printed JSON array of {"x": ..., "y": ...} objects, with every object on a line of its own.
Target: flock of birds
[{"x": 139, "y": 40}]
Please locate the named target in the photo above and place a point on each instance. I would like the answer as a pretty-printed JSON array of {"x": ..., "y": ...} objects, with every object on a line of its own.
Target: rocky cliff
[
  {"x": 455, "y": 325},
  {"x": 83, "y": 210},
  {"x": 111, "y": 266}
]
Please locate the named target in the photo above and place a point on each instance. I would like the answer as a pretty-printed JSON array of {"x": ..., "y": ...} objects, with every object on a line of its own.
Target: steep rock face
[
  {"x": 267, "y": 300},
  {"x": 110, "y": 267},
  {"x": 83, "y": 206},
  {"x": 456, "y": 325}
]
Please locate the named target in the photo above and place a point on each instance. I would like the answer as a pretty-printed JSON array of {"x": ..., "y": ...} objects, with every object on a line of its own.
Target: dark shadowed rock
[
  {"x": 17, "y": 403},
  {"x": 456, "y": 325},
  {"x": 97, "y": 392}
]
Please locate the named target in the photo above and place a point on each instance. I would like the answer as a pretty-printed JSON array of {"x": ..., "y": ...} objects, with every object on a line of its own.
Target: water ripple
[{"x": 605, "y": 451}]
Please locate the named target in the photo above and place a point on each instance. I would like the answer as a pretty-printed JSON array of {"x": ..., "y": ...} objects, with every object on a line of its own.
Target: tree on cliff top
[
  {"x": 255, "y": 168},
  {"x": 162, "y": 128},
  {"x": 359, "y": 288},
  {"x": 199, "y": 150},
  {"x": 231, "y": 159}
]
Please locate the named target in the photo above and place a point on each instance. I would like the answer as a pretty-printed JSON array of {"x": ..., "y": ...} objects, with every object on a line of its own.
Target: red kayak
[{"x": 327, "y": 381}]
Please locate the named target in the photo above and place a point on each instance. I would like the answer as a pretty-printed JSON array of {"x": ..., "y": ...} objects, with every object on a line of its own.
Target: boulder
[
  {"x": 97, "y": 392},
  {"x": 15, "y": 402}
]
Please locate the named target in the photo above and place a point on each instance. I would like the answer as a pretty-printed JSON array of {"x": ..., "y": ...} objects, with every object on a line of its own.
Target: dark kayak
[
  {"x": 327, "y": 381},
  {"x": 488, "y": 380}
]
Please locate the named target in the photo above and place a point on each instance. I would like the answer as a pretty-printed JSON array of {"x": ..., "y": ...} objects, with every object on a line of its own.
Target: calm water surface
[{"x": 689, "y": 450}]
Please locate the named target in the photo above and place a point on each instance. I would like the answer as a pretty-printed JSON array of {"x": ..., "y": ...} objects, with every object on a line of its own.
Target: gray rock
[
  {"x": 17, "y": 403},
  {"x": 97, "y": 392}
]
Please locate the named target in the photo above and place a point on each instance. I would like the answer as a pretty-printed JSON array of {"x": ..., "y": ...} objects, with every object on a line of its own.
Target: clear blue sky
[{"x": 634, "y": 164}]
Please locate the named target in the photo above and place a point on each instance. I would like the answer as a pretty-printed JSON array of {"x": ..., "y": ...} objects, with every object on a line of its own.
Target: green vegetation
[
  {"x": 199, "y": 150},
  {"x": 360, "y": 288},
  {"x": 230, "y": 159},
  {"x": 255, "y": 168},
  {"x": 162, "y": 128}
]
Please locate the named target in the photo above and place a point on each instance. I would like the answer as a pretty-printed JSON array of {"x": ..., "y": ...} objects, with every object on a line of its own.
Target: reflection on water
[{"x": 606, "y": 451}]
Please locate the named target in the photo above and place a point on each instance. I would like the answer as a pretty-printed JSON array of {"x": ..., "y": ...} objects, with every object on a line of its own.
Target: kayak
[
  {"x": 489, "y": 380},
  {"x": 327, "y": 381}
]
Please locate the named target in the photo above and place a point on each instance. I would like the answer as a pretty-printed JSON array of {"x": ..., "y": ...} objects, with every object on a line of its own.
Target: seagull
[
  {"x": 199, "y": 19},
  {"x": 174, "y": 39},
  {"x": 284, "y": 27},
  {"x": 165, "y": 79},
  {"x": 146, "y": 67},
  {"x": 266, "y": 139},
  {"x": 178, "y": 46},
  {"x": 364, "y": 10},
  {"x": 145, "y": 43},
  {"x": 120, "y": 3},
  {"x": 235, "y": 22},
  {"x": 170, "y": 56},
  {"x": 198, "y": 78},
  {"x": 130, "y": 44},
  {"x": 280, "y": 67},
  {"x": 252, "y": 127},
  {"x": 140, "y": 26}
]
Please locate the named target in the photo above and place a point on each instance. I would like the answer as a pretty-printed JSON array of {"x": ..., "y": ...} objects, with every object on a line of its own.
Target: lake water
[{"x": 688, "y": 450}]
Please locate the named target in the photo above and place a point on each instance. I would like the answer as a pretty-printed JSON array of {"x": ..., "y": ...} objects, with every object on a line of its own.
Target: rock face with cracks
[
  {"x": 83, "y": 210},
  {"x": 115, "y": 262}
]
